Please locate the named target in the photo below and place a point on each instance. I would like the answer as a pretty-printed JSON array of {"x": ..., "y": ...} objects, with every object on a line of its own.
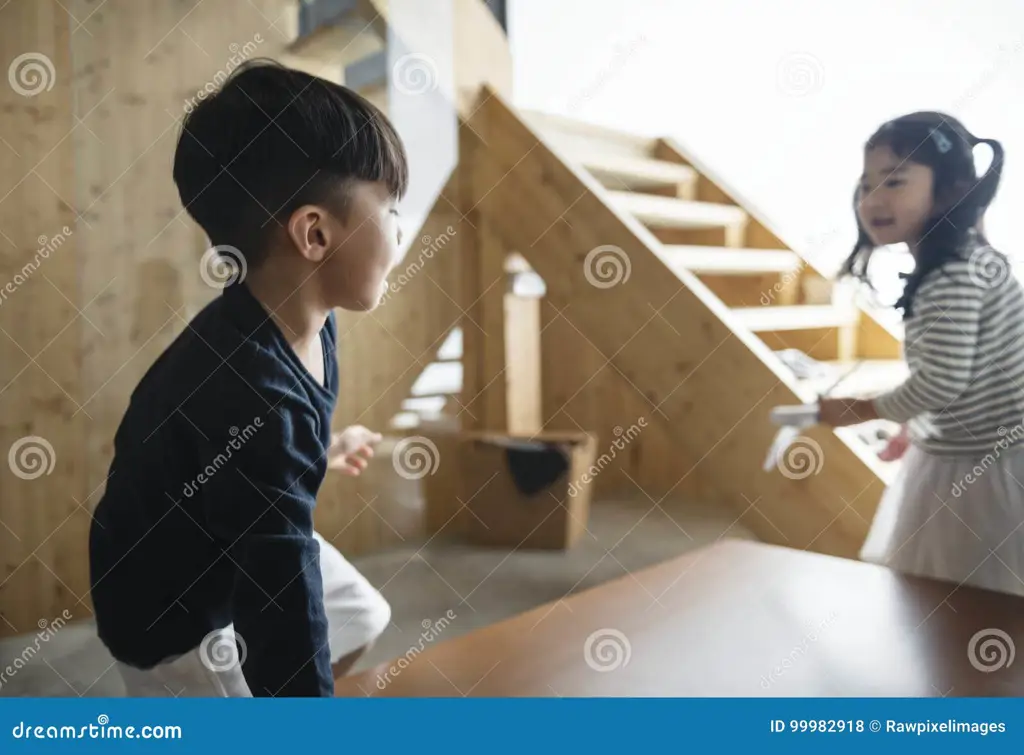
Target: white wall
[
  {"x": 421, "y": 90},
  {"x": 778, "y": 96}
]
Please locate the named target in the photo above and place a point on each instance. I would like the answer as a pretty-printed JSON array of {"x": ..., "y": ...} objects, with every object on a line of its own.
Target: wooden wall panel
[
  {"x": 41, "y": 436},
  {"x": 523, "y": 360},
  {"x": 484, "y": 284},
  {"x": 582, "y": 390},
  {"x": 92, "y": 152}
]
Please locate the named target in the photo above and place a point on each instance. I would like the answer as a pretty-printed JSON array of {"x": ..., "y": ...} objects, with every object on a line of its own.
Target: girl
[{"x": 956, "y": 510}]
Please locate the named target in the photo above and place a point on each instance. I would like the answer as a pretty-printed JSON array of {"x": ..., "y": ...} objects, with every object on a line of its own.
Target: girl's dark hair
[
  {"x": 942, "y": 143},
  {"x": 272, "y": 139}
]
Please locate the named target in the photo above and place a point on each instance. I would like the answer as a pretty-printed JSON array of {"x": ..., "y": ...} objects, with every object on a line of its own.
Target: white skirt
[{"x": 960, "y": 520}]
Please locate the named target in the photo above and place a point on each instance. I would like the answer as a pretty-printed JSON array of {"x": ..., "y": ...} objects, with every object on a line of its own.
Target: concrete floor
[{"x": 479, "y": 587}]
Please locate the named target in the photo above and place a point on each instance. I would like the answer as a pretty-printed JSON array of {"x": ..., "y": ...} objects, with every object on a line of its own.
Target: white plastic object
[{"x": 801, "y": 415}]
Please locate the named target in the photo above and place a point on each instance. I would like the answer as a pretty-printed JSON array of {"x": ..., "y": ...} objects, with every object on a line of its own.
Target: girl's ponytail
[{"x": 989, "y": 183}]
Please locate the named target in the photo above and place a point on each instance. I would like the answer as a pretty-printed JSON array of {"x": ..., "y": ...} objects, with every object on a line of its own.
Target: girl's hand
[
  {"x": 835, "y": 412},
  {"x": 351, "y": 449},
  {"x": 896, "y": 447},
  {"x": 841, "y": 412}
]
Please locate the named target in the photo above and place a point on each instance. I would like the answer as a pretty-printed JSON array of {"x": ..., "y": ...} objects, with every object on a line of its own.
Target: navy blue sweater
[{"x": 207, "y": 517}]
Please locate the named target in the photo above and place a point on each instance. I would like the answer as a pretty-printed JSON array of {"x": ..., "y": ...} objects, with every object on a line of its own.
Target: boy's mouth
[{"x": 882, "y": 223}]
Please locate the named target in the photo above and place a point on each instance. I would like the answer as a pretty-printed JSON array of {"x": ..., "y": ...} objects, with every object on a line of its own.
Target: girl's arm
[
  {"x": 941, "y": 345},
  {"x": 841, "y": 412}
]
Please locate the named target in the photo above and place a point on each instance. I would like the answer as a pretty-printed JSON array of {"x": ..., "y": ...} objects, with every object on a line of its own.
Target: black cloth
[
  {"x": 207, "y": 516},
  {"x": 535, "y": 467}
]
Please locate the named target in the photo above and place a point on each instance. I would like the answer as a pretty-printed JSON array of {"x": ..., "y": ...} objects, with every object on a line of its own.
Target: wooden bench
[{"x": 733, "y": 619}]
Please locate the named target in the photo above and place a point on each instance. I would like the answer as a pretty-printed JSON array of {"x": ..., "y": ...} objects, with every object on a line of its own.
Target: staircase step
[
  {"x": 633, "y": 173},
  {"x": 723, "y": 260},
  {"x": 800, "y": 317},
  {"x": 440, "y": 393},
  {"x": 579, "y": 137},
  {"x": 438, "y": 379},
  {"x": 425, "y": 404},
  {"x": 869, "y": 377},
  {"x": 666, "y": 212},
  {"x": 344, "y": 37}
]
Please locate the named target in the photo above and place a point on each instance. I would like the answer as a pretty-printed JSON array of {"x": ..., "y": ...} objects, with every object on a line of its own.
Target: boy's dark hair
[
  {"x": 273, "y": 139},
  {"x": 942, "y": 143}
]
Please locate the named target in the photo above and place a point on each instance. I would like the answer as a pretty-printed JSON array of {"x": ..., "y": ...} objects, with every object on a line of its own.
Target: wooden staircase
[{"x": 706, "y": 301}]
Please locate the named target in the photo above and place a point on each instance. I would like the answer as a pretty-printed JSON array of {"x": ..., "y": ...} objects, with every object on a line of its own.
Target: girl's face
[{"x": 895, "y": 198}]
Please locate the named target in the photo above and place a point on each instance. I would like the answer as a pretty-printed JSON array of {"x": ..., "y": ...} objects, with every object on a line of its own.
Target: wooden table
[{"x": 733, "y": 619}]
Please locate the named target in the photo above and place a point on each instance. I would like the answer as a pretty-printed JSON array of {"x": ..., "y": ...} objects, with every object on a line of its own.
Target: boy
[{"x": 205, "y": 531}]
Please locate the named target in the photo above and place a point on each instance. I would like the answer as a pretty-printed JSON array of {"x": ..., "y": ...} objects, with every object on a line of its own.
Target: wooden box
[{"x": 547, "y": 508}]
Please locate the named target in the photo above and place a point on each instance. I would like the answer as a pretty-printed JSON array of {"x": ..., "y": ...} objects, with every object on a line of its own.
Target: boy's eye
[{"x": 892, "y": 183}]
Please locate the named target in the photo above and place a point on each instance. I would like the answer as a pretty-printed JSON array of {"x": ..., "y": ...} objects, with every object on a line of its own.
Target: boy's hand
[{"x": 351, "y": 448}]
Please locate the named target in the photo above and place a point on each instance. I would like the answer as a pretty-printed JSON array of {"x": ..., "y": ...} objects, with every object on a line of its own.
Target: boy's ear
[{"x": 309, "y": 230}]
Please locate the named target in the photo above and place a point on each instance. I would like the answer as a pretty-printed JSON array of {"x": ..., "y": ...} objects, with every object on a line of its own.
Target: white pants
[{"x": 356, "y": 616}]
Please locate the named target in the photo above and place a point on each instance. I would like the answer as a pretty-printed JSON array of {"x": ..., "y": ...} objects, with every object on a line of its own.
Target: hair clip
[{"x": 943, "y": 144}]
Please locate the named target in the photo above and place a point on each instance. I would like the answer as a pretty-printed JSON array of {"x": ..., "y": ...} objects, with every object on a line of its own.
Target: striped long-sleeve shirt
[{"x": 964, "y": 345}]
